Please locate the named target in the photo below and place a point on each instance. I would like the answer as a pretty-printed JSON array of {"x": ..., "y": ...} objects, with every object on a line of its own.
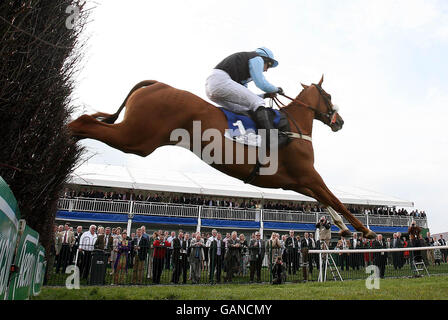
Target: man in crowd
[
  {"x": 217, "y": 251},
  {"x": 356, "y": 259},
  {"x": 169, "y": 251},
  {"x": 396, "y": 242},
  {"x": 141, "y": 250},
  {"x": 380, "y": 258},
  {"x": 184, "y": 253},
  {"x": 196, "y": 258},
  {"x": 108, "y": 243},
  {"x": 306, "y": 261},
  {"x": 314, "y": 257},
  {"x": 414, "y": 232},
  {"x": 160, "y": 246},
  {"x": 444, "y": 252},
  {"x": 211, "y": 245},
  {"x": 99, "y": 242},
  {"x": 345, "y": 256},
  {"x": 67, "y": 239},
  {"x": 178, "y": 262},
  {"x": 324, "y": 230},
  {"x": 257, "y": 250},
  {"x": 291, "y": 246},
  {"x": 86, "y": 246},
  {"x": 77, "y": 236},
  {"x": 144, "y": 234},
  {"x": 58, "y": 243},
  {"x": 232, "y": 256}
]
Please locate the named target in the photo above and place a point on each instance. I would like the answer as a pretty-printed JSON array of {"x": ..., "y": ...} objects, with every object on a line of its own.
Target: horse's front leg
[
  {"x": 337, "y": 220},
  {"x": 321, "y": 193}
]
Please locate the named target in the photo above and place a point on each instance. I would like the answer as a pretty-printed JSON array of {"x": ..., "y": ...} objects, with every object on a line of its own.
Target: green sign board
[
  {"x": 39, "y": 274},
  {"x": 20, "y": 286},
  {"x": 9, "y": 226}
]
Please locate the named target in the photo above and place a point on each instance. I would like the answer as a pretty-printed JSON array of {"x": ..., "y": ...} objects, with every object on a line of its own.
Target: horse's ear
[
  {"x": 304, "y": 86},
  {"x": 321, "y": 80}
]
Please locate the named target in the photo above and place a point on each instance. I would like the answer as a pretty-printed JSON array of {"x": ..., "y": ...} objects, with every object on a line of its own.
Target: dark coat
[
  {"x": 254, "y": 250},
  {"x": 142, "y": 249}
]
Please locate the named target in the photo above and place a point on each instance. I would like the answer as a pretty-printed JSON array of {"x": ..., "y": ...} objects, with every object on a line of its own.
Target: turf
[{"x": 424, "y": 288}]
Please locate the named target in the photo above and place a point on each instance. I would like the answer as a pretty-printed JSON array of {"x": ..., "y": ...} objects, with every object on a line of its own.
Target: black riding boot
[{"x": 264, "y": 121}]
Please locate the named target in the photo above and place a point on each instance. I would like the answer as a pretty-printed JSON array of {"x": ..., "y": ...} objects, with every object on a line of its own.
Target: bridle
[{"x": 330, "y": 115}]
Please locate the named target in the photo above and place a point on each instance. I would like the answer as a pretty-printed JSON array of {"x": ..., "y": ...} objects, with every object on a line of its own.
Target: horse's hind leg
[{"x": 114, "y": 135}]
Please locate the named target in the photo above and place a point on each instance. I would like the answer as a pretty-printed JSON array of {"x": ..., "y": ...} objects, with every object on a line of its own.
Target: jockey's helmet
[{"x": 267, "y": 56}]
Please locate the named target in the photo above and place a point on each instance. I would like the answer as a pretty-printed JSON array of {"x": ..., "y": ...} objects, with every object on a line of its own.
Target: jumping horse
[{"x": 155, "y": 109}]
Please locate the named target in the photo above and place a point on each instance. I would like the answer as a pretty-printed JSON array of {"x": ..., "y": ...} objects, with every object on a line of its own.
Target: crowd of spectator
[
  {"x": 221, "y": 257},
  {"x": 193, "y": 199},
  {"x": 388, "y": 211}
]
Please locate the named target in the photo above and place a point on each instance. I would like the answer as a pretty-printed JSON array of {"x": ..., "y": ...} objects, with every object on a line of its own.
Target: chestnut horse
[{"x": 154, "y": 110}]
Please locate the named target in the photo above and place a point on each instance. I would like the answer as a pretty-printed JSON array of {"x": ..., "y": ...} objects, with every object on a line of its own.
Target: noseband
[{"x": 331, "y": 114}]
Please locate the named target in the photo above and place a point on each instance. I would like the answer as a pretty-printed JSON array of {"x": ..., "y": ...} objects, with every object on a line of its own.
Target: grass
[{"x": 425, "y": 288}]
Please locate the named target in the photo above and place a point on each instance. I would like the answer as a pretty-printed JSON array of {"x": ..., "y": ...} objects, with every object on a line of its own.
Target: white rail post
[
  {"x": 130, "y": 217},
  {"x": 198, "y": 227},
  {"x": 261, "y": 223},
  {"x": 367, "y": 220}
]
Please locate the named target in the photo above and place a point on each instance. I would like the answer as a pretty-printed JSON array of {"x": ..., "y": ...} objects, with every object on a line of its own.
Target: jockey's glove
[
  {"x": 280, "y": 90},
  {"x": 269, "y": 95}
]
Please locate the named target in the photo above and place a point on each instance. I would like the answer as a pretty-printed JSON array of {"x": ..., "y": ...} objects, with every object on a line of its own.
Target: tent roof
[{"x": 217, "y": 184}]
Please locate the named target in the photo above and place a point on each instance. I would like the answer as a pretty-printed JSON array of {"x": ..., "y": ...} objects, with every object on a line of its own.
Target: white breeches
[{"x": 221, "y": 89}]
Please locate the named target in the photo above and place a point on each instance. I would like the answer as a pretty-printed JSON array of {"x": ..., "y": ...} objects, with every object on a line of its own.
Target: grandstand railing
[
  {"x": 230, "y": 213},
  {"x": 289, "y": 216},
  {"x": 225, "y": 213},
  {"x": 165, "y": 209}
]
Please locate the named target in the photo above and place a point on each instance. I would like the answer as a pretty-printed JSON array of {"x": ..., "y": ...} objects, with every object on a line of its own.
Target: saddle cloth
[{"x": 242, "y": 129}]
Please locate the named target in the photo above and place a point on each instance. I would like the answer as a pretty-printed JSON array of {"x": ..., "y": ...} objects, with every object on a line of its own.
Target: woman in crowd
[
  {"x": 121, "y": 262},
  {"x": 368, "y": 257},
  {"x": 116, "y": 239},
  {"x": 231, "y": 258},
  {"x": 205, "y": 249},
  {"x": 339, "y": 259},
  {"x": 274, "y": 247},
  {"x": 406, "y": 253},
  {"x": 151, "y": 253},
  {"x": 437, "y": 252},
  {"x": 244, "y": 255}
]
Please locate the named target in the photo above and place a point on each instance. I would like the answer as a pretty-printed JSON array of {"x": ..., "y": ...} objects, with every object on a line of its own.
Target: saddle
[{"x": 243, "y": 129}]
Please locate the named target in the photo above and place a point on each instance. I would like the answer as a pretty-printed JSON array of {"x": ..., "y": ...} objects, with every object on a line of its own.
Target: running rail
[{"x": 373, "y": 250}]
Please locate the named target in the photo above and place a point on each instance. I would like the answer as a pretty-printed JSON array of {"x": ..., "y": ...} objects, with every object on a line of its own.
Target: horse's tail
[{"x": 111, "y": 118}]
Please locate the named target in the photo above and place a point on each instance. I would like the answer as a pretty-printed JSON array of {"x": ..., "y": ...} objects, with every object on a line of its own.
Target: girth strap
[{"x": 255, "y": 172}]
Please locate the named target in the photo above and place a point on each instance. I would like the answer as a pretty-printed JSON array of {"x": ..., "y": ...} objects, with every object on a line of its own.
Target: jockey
[{"x": 227, "y": 86}]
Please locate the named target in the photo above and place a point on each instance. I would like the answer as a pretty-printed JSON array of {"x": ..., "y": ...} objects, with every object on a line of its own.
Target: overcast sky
[{"x": 385, "y": 65}]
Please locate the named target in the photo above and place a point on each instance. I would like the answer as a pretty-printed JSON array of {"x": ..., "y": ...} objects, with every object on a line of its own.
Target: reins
[{"x": 300, "y": 135}]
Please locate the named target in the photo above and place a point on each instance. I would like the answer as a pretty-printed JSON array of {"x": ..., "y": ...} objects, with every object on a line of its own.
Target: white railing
[
  {"x": 165, "y": 209},
  {"x": 393, "y": 221},
  {"x": 181, "y": 210},
  {"x": 289, "y": 216},
  {"x": 94, "y": 205},
  {"x": 230, "y": 213}
]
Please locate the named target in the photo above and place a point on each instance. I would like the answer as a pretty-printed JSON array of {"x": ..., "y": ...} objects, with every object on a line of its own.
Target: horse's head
[{"x": 320, "y": 102}]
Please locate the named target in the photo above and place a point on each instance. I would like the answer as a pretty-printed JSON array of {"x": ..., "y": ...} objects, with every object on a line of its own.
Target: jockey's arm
[{"x": 256, "y": 66}]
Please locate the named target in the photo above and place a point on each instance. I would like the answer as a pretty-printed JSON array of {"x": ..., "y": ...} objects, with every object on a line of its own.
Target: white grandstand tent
[{"x": 219, "y": 184}]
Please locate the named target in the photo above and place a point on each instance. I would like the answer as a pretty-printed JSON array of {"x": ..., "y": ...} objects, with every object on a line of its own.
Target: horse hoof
[
  {"x": 369, "y": 235},
  {"x": 344, "y": 233}
]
